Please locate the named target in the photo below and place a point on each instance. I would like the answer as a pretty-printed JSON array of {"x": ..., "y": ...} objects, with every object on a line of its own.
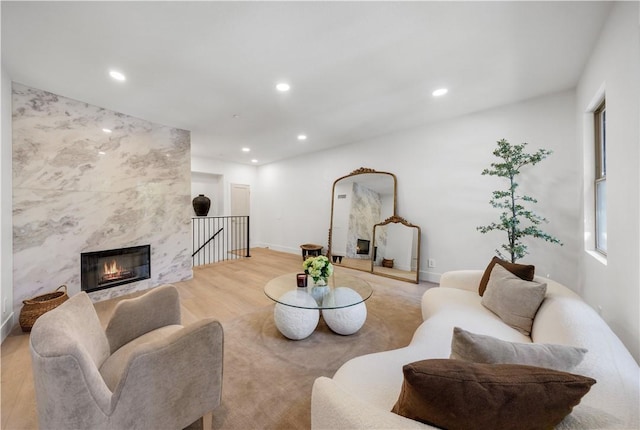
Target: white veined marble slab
[{"x": 79, "y": 189}]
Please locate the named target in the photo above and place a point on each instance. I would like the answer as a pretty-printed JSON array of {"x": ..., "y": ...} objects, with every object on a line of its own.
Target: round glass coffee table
[{"x": 297, "y": 309}]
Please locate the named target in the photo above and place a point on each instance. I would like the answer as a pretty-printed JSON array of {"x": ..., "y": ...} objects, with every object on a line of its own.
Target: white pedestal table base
[
  {"x": 347, "y": 320},
  {"x": 297, "y": 323}
]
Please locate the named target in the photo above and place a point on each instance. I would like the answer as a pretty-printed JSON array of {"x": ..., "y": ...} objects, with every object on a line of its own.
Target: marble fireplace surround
[
  {"x": 77, "y": 188},
  {"x": 366, "y": 206}
]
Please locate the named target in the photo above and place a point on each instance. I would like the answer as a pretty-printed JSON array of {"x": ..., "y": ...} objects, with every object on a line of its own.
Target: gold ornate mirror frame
[
  {"x": 397, "y": 244},
  {"x": 359, "y": 201}
]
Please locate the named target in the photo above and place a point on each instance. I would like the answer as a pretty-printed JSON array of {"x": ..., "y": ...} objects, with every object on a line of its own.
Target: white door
[
  {"x": 240, "y": 206},
  {"x": 240, "y": 199}
]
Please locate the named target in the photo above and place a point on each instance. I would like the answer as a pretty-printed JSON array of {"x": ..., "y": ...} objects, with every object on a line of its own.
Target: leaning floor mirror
[
  {"x": 397, "y": 249},
  {"x": 360, "y": 200}
]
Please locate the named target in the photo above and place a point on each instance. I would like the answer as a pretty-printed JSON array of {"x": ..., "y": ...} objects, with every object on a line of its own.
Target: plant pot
[{"x": 388, "y": 263}]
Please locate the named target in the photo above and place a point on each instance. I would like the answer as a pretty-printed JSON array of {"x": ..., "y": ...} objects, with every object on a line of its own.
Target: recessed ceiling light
[
  {"x": 101, "y": 152},
  {"x": 246, "y": 149},
  {"x": 302, "y": 137},
  {"x": 117, "y": 75},
  {"x": 440, "y": 92},
  {"x": 106, "y": 130},
  {"x": 283, "y": 87},
  {"x": 254, "y": 161}
]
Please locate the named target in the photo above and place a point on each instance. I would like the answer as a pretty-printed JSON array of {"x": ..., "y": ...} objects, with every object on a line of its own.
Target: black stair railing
[
  {"x": 207, "y": 242},
  {"x": 219, "y": 238}
]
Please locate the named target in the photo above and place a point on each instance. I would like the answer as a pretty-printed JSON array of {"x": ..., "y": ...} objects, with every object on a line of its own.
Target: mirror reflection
[
  {"x": 360, "y": 200},
  {"x": 397, "y": 244}
]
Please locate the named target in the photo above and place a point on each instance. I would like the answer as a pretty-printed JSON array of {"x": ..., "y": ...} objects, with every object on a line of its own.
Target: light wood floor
[{"x": 223, "y": 290}]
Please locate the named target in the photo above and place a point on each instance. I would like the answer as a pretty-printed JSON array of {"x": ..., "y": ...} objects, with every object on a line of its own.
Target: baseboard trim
[
  {"x": 279, "y": 248},
  {"x": 7, "y": 326},
  {"x": 430, "y": 276}
]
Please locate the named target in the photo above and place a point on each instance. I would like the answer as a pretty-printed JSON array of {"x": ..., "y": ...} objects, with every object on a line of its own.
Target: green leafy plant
[{"x": 516, "y": 220}]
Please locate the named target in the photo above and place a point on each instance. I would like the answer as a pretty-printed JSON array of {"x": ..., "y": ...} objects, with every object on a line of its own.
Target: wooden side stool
[{"x": 309, "y": 250}]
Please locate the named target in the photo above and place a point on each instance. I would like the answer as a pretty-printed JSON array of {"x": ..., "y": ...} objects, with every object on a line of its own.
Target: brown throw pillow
[
  {"x": 454, "y": 394},
  {"x": 479, "y": 348},
  {"x": 522, "y": 271}
]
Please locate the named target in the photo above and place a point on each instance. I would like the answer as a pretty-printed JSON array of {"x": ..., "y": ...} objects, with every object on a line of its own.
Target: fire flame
[
  {"x": 113, "y": 272},
  {"x": 112, "y": 268}
]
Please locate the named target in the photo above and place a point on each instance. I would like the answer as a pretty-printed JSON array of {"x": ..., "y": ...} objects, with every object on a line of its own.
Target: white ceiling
[{"x": 356, "y": 69}]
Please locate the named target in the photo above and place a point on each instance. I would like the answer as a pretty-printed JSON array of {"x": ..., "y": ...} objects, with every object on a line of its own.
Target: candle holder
[{"x": 301, "y": 279}]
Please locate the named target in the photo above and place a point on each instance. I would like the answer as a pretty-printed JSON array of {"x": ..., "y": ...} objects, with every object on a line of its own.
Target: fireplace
[
  {"x": 113, "y": 267},
  {"x": 363, "y": 246}
]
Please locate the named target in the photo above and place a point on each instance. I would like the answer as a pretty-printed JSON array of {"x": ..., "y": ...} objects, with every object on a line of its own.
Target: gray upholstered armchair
[{"x": 145, "y": 371}]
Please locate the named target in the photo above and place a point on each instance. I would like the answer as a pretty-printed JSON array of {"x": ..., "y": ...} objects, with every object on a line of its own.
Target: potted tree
[{"x": 516, "y": 220}]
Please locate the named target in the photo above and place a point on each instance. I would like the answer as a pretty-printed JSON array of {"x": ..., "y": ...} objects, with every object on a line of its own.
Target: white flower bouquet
[{"x": 319, "y": 268}]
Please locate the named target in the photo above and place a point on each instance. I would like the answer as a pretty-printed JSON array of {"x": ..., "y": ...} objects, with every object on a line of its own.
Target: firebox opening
[
  {"x": 113, "y": 267},
  {"x": 363, "y": 246}
]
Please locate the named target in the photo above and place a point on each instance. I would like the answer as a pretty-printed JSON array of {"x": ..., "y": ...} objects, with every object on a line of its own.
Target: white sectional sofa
[{"x": 364, "y": 390}]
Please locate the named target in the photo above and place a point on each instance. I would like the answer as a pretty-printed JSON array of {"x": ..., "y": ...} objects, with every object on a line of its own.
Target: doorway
[{"x": 240, "y": 200}]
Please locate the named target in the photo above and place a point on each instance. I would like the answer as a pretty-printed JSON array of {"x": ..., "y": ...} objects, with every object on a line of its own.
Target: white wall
[
  {"x": 228, "y": 173},
  {"x": 295, "y": 200},
  {"x": 6, "y": 229},
  {"x": 398, "y": 236},
  {"x": 212, "y": 186},
  {"x": 440, "y": 187},
  {"x": 613, "y": 284}
]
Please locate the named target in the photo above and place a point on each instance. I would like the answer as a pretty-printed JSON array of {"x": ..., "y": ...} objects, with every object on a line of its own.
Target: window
[{"x": 600, "y": 120}]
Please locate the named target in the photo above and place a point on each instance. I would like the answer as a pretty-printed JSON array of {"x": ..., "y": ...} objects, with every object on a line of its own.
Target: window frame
[{"x": 600, "y": 142}]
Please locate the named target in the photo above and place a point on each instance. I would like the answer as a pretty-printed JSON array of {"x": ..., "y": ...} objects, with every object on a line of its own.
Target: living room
[{"x": 438, "y": 164}]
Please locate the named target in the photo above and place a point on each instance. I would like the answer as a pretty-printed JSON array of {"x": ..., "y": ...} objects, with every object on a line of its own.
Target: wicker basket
[
  {"x": 388, "y": 263},
  {"x": 37, "y": 306}
]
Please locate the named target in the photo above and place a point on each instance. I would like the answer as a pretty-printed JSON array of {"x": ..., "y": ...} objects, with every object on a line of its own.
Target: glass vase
[{"x": 319, "y": 290}]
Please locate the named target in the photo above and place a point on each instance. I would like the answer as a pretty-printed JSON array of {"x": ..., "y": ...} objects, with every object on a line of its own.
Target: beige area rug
[{"x": 268, "y": 378}]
